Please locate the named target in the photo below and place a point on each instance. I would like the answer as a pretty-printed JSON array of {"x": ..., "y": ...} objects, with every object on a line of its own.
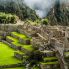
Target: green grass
[
  {"x": 22, "y": 36},
  {"x": 12, "y": 38},
  {"x": 49, "y": 63},
  {"x": 19, "y": 35},
  {"x": 28, "y": 47},
  {"x": 36, "y": 68},
  {"x": 50, "y": 58},
  {"x": 16, "y": 68},
  {"x": 66, "y": 53},
  {"x": 20, "y": 52},
  {"x": 17, "y": 43},
  {"x": 1, "y": 36},
  {"x": 6, "y": 55}
]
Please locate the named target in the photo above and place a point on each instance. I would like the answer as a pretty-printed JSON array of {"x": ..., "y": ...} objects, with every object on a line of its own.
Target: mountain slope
[
  {"x": 19, "y": 8},
  {"x": 59, "y": 15}
]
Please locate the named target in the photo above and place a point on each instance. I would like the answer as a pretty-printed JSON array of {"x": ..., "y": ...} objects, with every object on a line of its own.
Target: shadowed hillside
[{"x": 59, "y": 14}]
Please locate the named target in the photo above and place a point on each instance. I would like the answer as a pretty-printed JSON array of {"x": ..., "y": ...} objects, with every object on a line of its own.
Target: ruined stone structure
[{"x": 53, "y": 38}]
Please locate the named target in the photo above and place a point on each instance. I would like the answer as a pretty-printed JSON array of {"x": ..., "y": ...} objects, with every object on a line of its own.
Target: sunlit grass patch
[
  {"x": 49, "y": 63},
  {"x": 16, "y": 68},
  {"x": 6, "y": 55},
  {"x": 12, "y": 38},
  {"x": 28, "y": 47},
  {"x": 50, "y": 58}
]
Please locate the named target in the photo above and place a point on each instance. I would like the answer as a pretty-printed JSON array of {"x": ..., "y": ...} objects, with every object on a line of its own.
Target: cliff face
[{"x": 59, "y": 15}]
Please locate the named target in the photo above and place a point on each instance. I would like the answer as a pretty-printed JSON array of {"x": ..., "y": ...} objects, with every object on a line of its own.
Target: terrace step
[
  {"x": 18, "y": 35},
  {"x": 50, "y": 59},
  {"x": 11, "y": 65},
  {"x": 18, "y": 46},
  {"x": 11, "y": 45},
  {"x": 27, "y": 48},
  {"x": 16, "y": 68},
  {"x": 21, "y": 37},
  {"x": 24, "y": 32},
  {"x": 49, "y": 52},
  {"x": 49, "y": 63},
  {"x": 67, "y": 54},
  {"x": 19, "y": 55},
  {"x": 11, "y": 39},
  {"x": 6, "y": 56}
]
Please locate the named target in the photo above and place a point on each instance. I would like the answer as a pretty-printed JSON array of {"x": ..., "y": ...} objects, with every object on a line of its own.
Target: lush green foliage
[
  {"x": 6, "y": 55},
  {"x": 45, "y": 21},
  {"x": 7, "y": 18},
  {"x": 19, "y": 8}
]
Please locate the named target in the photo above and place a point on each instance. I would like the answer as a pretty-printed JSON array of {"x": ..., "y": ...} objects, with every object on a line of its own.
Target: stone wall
[
  {"x": 18, "y": 55},
  {"x": 11, "y": 45},
  {"x": 47, "y": 66},
  {"x": 25, "y": 41},
  {"x": 46, "y": 31},
  {"x": 5, "y": 29}
]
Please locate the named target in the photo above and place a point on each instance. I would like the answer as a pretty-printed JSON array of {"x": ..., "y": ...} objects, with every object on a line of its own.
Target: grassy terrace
[
  {"x": 20, "y": 52},
  {"x": 12, "y": 38},
  {"x": 28, "y": 47},
  {"x": 22, "y": 36},
  {"x": 50, "y": 58},
  {"x": 17, "y": 43},
  {"x": 49, "y": 63},
  {"x": 16, "y": 68},
  {"x": 67, "y": 54},
  {"x": 0, "y": 36},
  {"x": 36, "y": 68},
  {"x": 6, "y": 55}
]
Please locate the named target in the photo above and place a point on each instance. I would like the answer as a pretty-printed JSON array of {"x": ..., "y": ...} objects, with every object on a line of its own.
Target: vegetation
[
  {"x": 11, "y": 38},
  {"x": 6, "y": 55},
  {"x": 45, "y": 21},
  {"x": 50, "y": 58},
  {"x": 16, "y": 68},
  {"x": 30, "y": 55},
  {"x": 19, "y": 35},
  {"x": 7, "y": 18},
  {"x": 22, "y": 36},
  {"x": 28, "y": 47},
  {"x": 19, "y": 8},
  {"x": 60, "y": 15},
  {"x": 50, "y": 63}
]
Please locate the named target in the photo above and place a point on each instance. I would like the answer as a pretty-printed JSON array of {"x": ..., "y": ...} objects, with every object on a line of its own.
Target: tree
[{"x": 45, "y": 21}]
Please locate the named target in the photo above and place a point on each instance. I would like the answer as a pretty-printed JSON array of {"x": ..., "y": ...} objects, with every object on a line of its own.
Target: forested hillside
[{"x": 19, "y": 8}]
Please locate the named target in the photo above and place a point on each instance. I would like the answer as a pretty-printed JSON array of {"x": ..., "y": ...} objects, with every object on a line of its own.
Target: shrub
[
  {"x": 7, "y": 18},
  {"x": 45, "y": 21}
]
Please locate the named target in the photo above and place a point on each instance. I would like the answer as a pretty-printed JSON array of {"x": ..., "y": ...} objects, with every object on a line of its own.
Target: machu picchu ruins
[
  {"x": 34, "y": 34},
  {"x": 51, "y": 41}
]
